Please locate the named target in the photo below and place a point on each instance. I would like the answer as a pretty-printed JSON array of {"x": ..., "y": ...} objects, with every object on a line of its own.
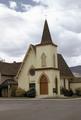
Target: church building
[{"x": 43, "y": 68}]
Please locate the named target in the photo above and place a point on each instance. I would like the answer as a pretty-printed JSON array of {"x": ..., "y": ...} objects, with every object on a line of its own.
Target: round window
[{"x": 32, "y": 72}]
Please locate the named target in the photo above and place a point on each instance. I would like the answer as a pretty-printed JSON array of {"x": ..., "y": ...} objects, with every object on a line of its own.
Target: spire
[{"x": 46, "y": 37}]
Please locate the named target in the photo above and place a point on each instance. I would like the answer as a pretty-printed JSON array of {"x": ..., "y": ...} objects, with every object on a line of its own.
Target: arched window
[
  {"x": 43, "y": 60},
  {"x": 54, "y": 61}
]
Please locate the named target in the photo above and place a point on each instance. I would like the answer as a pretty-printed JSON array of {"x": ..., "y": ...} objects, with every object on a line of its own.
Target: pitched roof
[
  {"x": 9, "y": 68},
  {"x": 46, "y": 36},
  {"x": 64, "y": 68}
]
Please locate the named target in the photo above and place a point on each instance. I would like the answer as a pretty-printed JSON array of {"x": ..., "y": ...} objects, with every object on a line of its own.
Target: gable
[{"x": 29, "y": 59}]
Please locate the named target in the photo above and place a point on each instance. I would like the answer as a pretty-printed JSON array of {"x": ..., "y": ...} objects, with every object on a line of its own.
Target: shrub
[
  {"x": 20, "y": 92},
  {"x": 13, "y": 91},
  {"x": 0, "y": 93},
  {"x": 62, "y": 90},
  {"x": 31, "y": 93},
  {"x": 71, "y": 92},
  {"x": 78, "y": 91},
  {"x": 66, "y": 92}
]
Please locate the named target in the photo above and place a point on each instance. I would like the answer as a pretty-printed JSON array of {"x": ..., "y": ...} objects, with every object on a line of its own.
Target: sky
[{"x": 22, "y": 21}]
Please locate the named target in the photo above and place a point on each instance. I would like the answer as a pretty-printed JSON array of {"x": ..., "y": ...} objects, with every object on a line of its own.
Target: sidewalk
[{"x": 39, "y": 99}]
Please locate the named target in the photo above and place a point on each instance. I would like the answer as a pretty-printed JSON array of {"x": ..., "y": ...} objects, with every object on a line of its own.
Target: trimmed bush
[
  {"x": 70, "y": 93},
  {"x": 78, "y": 91},
  {"x": 31, "y": 93},
  {"x": 66, "y": 92},
  {"x": 0, "y": 92},
  {"x": 62, "y": 90},
  {"x": 13, "y": 91},
  {"x": 20, "y": 92}
]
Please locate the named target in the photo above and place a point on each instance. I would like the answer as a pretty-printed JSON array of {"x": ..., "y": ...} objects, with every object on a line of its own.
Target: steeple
[{"x": 46, "y": 37}]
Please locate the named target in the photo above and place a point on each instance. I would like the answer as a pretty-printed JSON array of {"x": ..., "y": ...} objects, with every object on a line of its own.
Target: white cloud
[
  {"x": 13, "y": 4},
  {"x": 26, "y": 7},
  {"x": 19, "y": 29},
  {"x": 73, "y": 61}
]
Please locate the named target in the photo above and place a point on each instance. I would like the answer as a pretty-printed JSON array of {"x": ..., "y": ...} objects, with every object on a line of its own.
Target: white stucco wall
[
  {"x": 49, "y": 51},
  {"x": 24, "y": 78},
  {"x": 33, "y": 58},
  {"x": 74, "y": 86},
  {"x": 66, "y": 83},
  {"x": 62, "y": 82}
]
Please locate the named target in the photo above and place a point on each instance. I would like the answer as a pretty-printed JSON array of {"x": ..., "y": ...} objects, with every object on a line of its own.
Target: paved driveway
[{"x": 40, "y": 110}]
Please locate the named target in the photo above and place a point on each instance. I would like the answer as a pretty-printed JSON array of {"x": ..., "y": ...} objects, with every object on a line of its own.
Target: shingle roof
[
  {"x": 63, "y": 67},
  {"x": 46, "y": 37},
  {"x": 9, "y": 68}
]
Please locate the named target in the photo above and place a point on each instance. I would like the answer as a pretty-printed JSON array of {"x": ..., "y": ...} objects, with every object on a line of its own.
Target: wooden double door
[{"x": 43, "y": 85}]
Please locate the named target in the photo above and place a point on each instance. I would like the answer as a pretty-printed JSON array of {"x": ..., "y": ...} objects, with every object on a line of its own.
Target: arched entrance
[{"x": 43, "y": 85}]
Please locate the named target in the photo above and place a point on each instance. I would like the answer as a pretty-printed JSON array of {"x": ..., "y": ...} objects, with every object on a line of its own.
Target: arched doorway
[{"x": 43, "y": 85}]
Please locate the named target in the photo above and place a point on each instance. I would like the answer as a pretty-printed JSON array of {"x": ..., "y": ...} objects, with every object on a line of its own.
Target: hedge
[{"x": 20, "y": 92}]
